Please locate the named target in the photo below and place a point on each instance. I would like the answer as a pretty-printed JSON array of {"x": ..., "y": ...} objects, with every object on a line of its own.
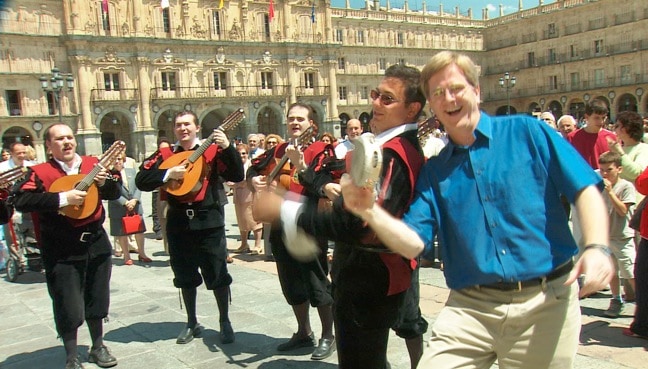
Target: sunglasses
[
  {"x": 271, "y": 142},
  {"x": 384, "y": 99}
]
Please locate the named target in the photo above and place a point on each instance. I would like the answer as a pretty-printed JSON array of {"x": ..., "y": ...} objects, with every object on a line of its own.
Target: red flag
[
  {"x": 104, "y": 5},
  {"x": 271, "y": 11}
]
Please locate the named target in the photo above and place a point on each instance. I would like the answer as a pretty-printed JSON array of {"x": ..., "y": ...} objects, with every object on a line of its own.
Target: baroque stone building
[{"x": 135, "y": 64}]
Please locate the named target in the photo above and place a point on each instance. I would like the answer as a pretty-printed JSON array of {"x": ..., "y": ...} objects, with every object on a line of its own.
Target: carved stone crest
[{"x": 220, "y": 55}]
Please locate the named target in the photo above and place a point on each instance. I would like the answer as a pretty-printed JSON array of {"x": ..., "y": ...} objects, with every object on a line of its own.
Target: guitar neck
[
  {"x": 107, "y": 159},
  {"x": 228, "y": 123},
  {"x": 275, "y": 171},
  {"x": 87, "y": 181}
]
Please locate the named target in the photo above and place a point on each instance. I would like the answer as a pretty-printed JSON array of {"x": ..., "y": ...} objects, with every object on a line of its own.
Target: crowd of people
[{"x": 516, "y": 259}]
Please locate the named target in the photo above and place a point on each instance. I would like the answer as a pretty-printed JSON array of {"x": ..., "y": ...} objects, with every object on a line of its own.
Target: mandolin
[
  {"x": 425, "y": 129},
  {"x": 196, "y": 170},
  {"x": 85, "y": 182},
  {"x": 8, "y": 178}
]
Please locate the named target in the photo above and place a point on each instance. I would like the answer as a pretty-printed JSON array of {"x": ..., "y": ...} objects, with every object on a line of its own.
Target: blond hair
[{"x": 444, "y": 59}]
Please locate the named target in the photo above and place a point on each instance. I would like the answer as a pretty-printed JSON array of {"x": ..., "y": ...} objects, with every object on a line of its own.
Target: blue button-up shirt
[{"x": 496, "y": 203}]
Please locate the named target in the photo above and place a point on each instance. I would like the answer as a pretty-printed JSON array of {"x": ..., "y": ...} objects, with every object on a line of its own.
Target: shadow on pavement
[{"x": 601, "y": 334}]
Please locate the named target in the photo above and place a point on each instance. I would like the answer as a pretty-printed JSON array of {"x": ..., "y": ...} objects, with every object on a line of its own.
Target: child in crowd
[{"x": 620, "y": 198}]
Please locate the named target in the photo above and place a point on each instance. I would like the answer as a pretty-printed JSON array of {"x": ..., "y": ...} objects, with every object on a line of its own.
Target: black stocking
[
  {"x": 222, "y": 295},
  {"x": 189, "y": 296},
  {"x": 95, "y": 326},
  {"x": 70, "y": 345}
]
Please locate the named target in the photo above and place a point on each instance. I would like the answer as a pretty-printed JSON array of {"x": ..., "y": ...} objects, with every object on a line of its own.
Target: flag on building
[
  {"x": 313, "y": 12},
  {"x": 220, "y": 5},
  {"x": 104, "y": 6},
  {"x": 164, "y": 4},
  {"x": 271, "y": 11}
]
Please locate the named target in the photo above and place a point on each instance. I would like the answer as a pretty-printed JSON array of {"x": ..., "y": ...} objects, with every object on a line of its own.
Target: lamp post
[
  {"x": 56, "y": 83},
  {"x": 508, "y": 83}
]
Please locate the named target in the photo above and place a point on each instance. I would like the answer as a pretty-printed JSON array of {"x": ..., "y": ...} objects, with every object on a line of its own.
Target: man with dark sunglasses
[{"x": 370, "y": 284}]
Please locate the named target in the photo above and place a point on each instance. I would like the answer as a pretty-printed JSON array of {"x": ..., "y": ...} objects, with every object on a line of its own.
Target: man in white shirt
[{"x": 353, "y": 130}]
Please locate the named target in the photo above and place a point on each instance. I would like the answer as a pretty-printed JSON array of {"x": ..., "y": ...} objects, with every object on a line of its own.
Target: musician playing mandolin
[
  {"x": 196, "y": 221},
  {"x": 75, "y": 252},
  {"x": 302, "y": 283}
]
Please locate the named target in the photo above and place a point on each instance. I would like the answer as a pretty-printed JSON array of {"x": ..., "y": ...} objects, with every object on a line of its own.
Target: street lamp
[
  {"x": 508, "y": 83},
  {"x": 55, "y": 84}
]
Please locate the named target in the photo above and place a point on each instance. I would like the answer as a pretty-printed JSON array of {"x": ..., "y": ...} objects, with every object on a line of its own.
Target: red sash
[{"x": 400, "y": 269}]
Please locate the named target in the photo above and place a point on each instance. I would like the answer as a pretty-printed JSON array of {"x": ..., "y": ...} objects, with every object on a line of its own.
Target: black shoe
[
  {"x": 74, "y": 364},
  {"x": 158, "y": 235},
  {"x": 226, "y": 333},
  {"x": 102, "y": 357},
  {"x": 297, "y": 342},
  {"x": 324, "y": 349},
  {"x": 188, "y": 334}
]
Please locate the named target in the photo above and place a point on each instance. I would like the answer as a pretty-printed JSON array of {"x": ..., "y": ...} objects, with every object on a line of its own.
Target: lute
[
  {"x": 194, "y": 162},
  {"x": 85, "y": 182}
]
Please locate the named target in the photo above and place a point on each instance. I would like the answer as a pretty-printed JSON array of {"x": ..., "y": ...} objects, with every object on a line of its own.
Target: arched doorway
[
  {"x": 165, "y": 124},
  {"x": 114, "y": 126},
  {"x": 344, "y": 118},
  {"x": 215, "y": 119},
  {"x": 365, "y": 118},
  {"x": 269, "y": 121},
  {"x": 16, "y": 134},
  {"x": 627, "y": 102},
  {"x": 534, "y": 107},
  {"x": 503, "y": 110},
  {"x": 555, "y": 107},
  {"x": 577, "y": 109}
]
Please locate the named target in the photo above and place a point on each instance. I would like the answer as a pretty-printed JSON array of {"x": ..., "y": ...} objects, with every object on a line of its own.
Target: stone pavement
[{"x": 146, "y": 317}]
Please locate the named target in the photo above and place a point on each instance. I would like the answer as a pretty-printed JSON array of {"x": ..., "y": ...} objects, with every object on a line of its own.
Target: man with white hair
[
  {"x": 548, "y": 118},
  {"x": 566, "y": 125},
  {"x": 253, "y": 144}
]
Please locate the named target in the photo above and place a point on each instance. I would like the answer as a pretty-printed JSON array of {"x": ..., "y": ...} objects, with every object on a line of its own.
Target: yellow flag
[{"x": 220, "y": 6}]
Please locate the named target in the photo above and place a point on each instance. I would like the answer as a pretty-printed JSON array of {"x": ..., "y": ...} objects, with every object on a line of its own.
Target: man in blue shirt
[{"x": 493, "y": 198}]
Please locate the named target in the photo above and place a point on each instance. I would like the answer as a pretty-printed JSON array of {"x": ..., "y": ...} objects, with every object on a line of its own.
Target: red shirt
[{"x": 591, "y": 145}]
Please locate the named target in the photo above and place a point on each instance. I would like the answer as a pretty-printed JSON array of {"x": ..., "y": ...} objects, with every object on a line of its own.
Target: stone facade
[{"x": 135, "y": 64}]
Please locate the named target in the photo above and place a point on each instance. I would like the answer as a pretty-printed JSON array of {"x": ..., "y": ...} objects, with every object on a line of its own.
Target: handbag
[{"x": 133, "y": 223}]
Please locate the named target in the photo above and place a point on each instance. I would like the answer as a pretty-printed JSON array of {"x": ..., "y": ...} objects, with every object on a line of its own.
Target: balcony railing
[
  {"x": 210, "y": 92},
  {"x": 582, "y": 85},
  {"x": 14, "y": 109},
  {"x": 314, "y": 91},
  {"x": 99, "y": 94}
]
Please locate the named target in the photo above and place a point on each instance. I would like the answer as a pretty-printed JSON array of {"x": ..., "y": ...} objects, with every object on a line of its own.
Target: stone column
[
  {"x": 144, "y": 86},
  {"x": 83, "y": 82},
  {"x": 332, "y": 100}
]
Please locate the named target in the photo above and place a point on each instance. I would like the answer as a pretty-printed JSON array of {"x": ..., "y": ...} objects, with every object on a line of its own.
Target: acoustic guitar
[
  {"x": 85, "y": 182},
  {"x": 194, "y": 163}
]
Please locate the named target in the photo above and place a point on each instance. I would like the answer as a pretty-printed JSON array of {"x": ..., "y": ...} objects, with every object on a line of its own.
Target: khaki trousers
[{"x": 537, "y": 327}]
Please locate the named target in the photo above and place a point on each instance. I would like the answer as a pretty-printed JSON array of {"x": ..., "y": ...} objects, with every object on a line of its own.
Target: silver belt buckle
[
  {"x": 85, "y": 237},
  {"x": 190, "y": 213}
]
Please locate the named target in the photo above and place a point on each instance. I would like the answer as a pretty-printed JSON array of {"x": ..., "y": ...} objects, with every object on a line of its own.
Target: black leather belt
[
  {"x": 90, "y": 234},
  {"x": 518, "y": 286}
]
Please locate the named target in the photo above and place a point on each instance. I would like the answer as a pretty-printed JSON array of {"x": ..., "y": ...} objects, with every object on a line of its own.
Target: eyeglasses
[
  {"x": 384, "y": 99},
  {"x": 271, "y": 142},
  {"x": 454, "y": 90}
]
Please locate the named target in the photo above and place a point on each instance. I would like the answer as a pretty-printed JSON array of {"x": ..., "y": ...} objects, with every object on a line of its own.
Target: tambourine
[{"x": 364, "y": 162}]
